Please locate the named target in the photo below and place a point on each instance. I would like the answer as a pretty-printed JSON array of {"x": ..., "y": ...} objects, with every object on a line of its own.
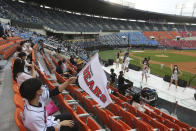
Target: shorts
[
  {"x": 144, "y": 71},
  {"x": 174, "y": 77}
]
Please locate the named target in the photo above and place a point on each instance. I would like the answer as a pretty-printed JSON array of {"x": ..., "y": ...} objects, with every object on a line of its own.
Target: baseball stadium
[{"x": 98, "y": 65}]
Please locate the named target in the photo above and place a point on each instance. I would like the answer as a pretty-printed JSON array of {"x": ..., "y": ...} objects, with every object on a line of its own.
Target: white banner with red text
[{"x": 92, "y": 79}]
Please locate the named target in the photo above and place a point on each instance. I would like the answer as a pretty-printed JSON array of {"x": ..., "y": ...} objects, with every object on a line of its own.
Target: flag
[{"x": 92, "y": 79}]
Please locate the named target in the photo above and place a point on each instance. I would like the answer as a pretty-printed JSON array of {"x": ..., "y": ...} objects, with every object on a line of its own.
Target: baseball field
[{"x": 186, "y": 61}]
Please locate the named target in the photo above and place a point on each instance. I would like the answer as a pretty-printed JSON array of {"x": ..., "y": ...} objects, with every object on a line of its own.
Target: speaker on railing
[
  {"x": 195, "y": 96},
  {"x": 134, "y": 67},
  {"x": 167, "y": 78},
  {"x": 110, "y": 61},
  {"x": 181, "y": 83}
]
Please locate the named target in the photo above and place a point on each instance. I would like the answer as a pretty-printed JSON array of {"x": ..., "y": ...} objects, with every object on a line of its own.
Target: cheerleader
[
  {"x": 117, "y": 60},
  {"x": 145, "y": 71},
  {"x": 174, "y": 77},
  {"x": 123, "y": 64},
  {"x": 127, "y": 61}
]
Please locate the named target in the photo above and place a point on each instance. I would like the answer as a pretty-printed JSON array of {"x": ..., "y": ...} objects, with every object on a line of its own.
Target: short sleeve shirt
[{"x": 22, "y": 77}]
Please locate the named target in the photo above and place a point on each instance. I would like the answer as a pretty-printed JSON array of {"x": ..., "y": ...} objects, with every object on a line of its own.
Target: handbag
[{"x": 51, "y": 108}]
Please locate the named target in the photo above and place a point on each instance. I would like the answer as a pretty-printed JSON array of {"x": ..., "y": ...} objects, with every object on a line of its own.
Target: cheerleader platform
[{"x": 183, "y": 96}]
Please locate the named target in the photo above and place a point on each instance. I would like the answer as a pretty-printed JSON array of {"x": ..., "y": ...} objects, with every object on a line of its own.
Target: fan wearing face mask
[
  {"x": 145, "y": 69},
  {"x": 175, "y": 74}
]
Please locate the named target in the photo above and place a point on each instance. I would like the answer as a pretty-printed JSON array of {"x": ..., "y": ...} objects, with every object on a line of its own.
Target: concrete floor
[{"x": 7, "y": 106}]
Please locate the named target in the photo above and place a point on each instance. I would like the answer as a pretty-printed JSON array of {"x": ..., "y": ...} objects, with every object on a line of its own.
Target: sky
[{"x": 164, "y": 6}]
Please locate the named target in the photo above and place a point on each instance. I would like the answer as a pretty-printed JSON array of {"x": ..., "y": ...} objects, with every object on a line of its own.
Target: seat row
[
  {"x": 154, "y": 117},
  {"x": 68, "y": 103}
]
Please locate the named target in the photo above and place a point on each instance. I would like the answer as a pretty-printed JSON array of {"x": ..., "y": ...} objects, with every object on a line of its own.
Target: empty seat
[
  {"x": 132, "y": 121},
  {"x": 130, "y": 109},
  {"x": 18, "y": 119},
  {"x": 18, "y": 100},
  {"x": 152, "y": 122},
  {"x": 90, "y": 104},
  {"x": 117, "y": 126},
  {"x": 15, "y": 88}
]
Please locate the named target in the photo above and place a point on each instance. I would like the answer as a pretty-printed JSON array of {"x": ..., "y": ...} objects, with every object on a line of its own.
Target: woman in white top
[
  {"x": 35, "y": 117},
  {"x": 18, "y": 50},
  {"x": 145, "y": 71},
  {"x": 117, "y": 60},
  {"x": 18, "y": 71},
  {"x": 127, "y": 61},
  {"x": 175, "y": 74},
  {"x": 23, "y": 56}
]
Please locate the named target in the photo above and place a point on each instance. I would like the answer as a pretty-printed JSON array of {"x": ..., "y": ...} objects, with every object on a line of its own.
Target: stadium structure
[{"x": 81, "y": 28}]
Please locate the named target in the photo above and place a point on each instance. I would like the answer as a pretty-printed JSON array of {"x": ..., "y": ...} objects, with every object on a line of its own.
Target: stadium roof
[{"x": 102, "y": 8}]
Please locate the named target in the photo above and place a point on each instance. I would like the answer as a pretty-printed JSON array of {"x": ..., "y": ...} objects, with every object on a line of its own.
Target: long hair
[
  {"x": 175, "y": 69},
  {"x": 18, "y": 67}
]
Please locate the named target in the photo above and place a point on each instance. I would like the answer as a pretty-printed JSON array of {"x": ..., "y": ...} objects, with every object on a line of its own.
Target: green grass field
[
  {"x": 171, "y": 57},
  {"x": 156, "y": 68}
]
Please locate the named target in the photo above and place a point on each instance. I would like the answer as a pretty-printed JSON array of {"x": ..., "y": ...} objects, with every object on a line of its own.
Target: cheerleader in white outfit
[
  {"x": 117, "y": 60},
  {"x": 145, "y": 71},
  {"x": 174, "y": 77}
]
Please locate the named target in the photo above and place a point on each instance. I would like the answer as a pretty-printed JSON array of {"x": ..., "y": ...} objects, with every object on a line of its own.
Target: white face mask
[{"x": 175, "y": 67}]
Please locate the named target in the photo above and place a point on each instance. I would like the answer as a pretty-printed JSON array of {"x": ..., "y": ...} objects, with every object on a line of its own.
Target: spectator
[
  {"x": 72, "y": 61},
  {"x": 19, "y": 73},
  {"x": 112, "y": 77},
  {"x": 31, "y": 42},
  {"x": 53, "y": 52},
  {"x": 121, "y": 83},
  {"x": 64, "y": 65},
  {"x": 41, "y": 43},
  {"x": 60, "y": 69},
  {"x": 23, "y": 56},
  {"x": 22, "y": 45},
  {"x": 2, "y": 32},
  {"x": 18, "y": 50},
  {"x": 108, "y": 87},
  {"x": 35, "y": 117},
  {"x": 29, "y": 51}
]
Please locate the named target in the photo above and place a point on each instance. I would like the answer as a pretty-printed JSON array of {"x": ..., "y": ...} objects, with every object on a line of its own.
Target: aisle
[{"x": 7, "y": 106}]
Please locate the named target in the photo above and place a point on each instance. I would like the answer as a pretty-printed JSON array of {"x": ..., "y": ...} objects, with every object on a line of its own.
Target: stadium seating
[
  {"x": 18, "y": 119},
  {"x": 19, "y": 102},
  {"x": 188, "y": 44},
  {"x": 132, "y": 121},
  {"x": 63, "y": 21},
  {"x": 119, "y": 115}
]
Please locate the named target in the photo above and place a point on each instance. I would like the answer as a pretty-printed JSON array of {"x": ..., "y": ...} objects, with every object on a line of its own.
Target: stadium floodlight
[{"x": 186, "y": 5}]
